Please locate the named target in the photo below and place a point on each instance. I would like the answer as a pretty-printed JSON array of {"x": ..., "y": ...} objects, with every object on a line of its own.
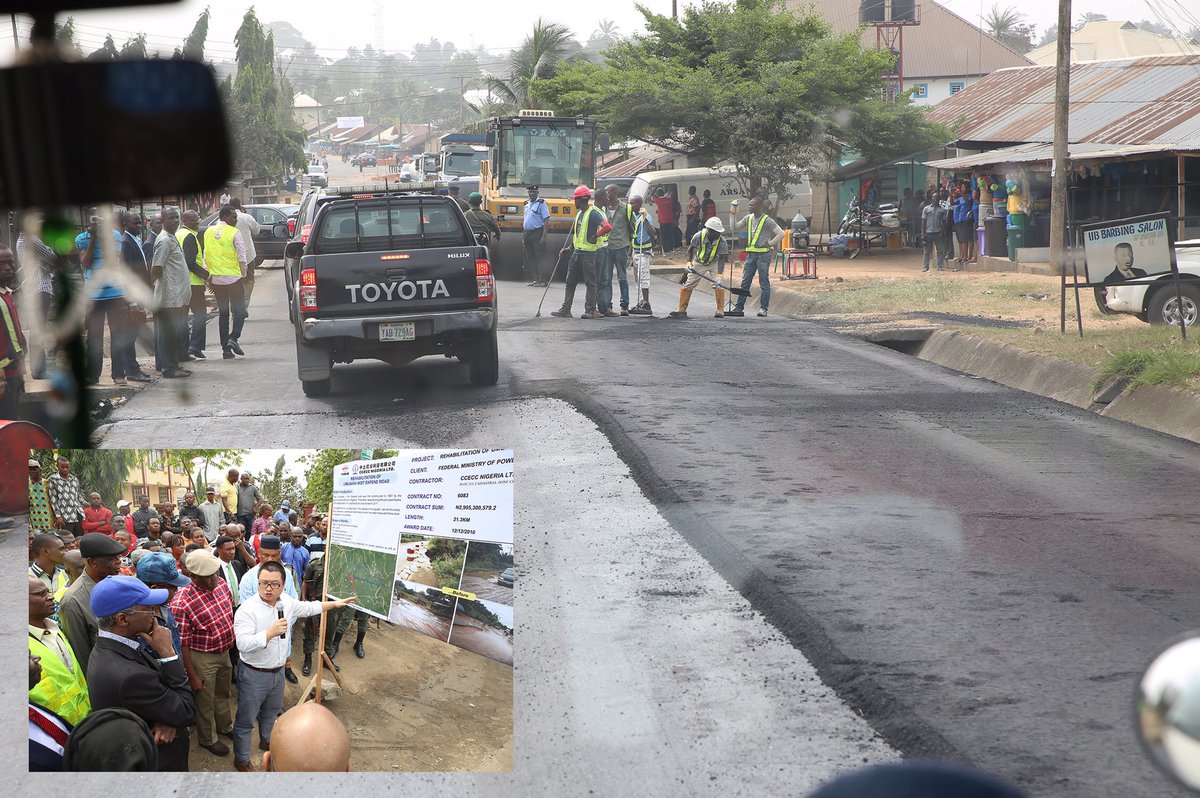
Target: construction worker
[
  {"x": 762, "y": 235},
  {"x": 586, "y": 245},
  {"x": 706, "y": 251},
  {"x": 642, "y": 238},
  {"x": 480, "y": 220}
]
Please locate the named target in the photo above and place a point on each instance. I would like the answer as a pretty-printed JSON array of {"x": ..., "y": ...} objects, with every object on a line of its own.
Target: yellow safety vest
[
  {"x": 181, "y": 235},
  {"x": 60, "y": 691},
  {"x": 705, "y": 257},
  {"x": 579, "y": 240},
  {"x": 10, "y": 327},
  {"x": 220, "y": 256},
  {"x": 753, "y": 233}
]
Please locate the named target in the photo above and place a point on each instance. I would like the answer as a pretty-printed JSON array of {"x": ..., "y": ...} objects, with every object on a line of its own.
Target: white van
[{"x": 723, "y": 184}]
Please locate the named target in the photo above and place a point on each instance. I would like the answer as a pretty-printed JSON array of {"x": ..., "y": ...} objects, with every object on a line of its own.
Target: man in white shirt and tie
[{"x": 260, "y": 628}]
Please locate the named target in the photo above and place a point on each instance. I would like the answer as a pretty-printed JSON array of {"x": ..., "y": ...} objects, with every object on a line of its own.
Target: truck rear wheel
[
  {"x": 483, "y": 360},
  {"x": 316, "y": 387}
]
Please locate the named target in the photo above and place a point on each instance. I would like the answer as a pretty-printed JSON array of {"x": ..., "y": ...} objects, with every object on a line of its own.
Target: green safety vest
[
  {"x": 60, "y": 691},
  {"x": 579, "y": 240},
  {"x": 181, "y": 235},
  {"x": 10, "y": 328},
  {"x": 220, "y": 256},
  {"x": 753, "y": 233},
  {"x": 705, "y": 257}
]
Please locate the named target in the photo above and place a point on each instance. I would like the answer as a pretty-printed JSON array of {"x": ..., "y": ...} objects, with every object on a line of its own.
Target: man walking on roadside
[
  {"x": 172, "y": 294},
  {"x": 932, "y": 219},
  {"x": 193, "y": 257},
  {"x": 249, "y": 227},
  {"x": 585, "y": 245},
  {"x": 616, "y": 252},
  {"x": 261, "y": 629},
  {"x": 204, "y": 612},
  {"x": 225, "y": 258},
  {"x": 12, "y": 340},
  {"x": 537, "y": 215},
  {"x": 762, "y": 236}
]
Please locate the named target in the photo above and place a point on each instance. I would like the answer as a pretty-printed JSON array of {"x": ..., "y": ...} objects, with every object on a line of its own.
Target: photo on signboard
[
  {"x": 485, "y": 628},
  {"x": 1127, "y": 249},
  {"x": 364, "y": 573},
  {"x": 490, "y": 572},
  {"x": 423, "y": 609},
  {"x": 431, "y": 561}
]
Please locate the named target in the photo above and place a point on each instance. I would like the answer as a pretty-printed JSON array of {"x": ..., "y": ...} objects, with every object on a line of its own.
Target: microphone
[{"x": 279, "y": 612}]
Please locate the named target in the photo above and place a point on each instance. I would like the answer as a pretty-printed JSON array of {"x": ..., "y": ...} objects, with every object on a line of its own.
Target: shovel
[{"x": 719, "y": 284}]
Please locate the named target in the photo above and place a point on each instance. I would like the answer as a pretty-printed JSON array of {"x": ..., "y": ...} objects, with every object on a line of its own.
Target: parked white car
[{"x": 1157, "y": 303}]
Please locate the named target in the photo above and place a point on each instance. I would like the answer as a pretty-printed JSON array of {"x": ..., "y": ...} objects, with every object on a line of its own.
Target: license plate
[{"x": 397, "y": 331}]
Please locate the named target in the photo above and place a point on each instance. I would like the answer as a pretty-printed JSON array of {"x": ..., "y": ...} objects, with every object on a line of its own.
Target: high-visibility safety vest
[
  {"x": 60, "y": 691},
  {"x": 753, "y": 233},
  {"x": 579, "y": 240},
  {"x": 220, "y": 256},
  {"x": 10, "y": 323},
  {"x": 707, "y": 256},
  {"x": 181, "y": 235}
]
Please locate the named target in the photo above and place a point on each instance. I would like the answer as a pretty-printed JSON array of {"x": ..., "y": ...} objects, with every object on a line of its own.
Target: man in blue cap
[
  {"x": 158, "y": 570},
  {"x": 281, "y": 514},
  {"x": 121, "y": 674}
]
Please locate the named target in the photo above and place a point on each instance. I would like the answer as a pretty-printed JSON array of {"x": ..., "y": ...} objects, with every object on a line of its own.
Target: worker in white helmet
[{"x": 707, "y": 255}]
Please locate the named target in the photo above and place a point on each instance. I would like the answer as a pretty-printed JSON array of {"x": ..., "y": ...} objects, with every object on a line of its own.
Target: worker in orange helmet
[{"x": 586, "y": 245}]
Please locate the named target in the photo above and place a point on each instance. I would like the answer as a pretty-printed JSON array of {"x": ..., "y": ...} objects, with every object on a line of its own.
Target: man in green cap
[{"x": 480, "y": 220}]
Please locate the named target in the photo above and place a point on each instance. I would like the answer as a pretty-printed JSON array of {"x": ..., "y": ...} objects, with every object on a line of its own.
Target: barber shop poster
[{"x": 1128, "y": 249}]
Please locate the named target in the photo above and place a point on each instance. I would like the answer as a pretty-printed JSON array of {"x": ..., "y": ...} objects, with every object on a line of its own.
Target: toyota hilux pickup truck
[{"x": 391, "y": 276}]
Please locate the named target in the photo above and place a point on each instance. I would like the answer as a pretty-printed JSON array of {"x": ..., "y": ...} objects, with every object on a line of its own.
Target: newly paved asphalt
[{"x": 979, "y": 573}]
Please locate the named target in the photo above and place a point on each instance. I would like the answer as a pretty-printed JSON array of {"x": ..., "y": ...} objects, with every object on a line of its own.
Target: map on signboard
[{"x": 367, "y": 574}]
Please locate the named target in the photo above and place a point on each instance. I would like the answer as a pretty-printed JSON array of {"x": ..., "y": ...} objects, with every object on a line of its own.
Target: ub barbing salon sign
[{"x": 1134, "y": 251}]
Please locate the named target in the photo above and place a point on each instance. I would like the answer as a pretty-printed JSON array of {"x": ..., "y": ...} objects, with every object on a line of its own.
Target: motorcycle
[{"x": 859, "y": 215}]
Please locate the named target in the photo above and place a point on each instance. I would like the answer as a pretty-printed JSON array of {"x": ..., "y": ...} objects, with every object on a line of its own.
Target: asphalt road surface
[{"x": 979, "y": 573}]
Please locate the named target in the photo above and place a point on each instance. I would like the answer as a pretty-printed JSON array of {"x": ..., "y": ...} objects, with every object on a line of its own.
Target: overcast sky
[{"x": 334, "y": 25}]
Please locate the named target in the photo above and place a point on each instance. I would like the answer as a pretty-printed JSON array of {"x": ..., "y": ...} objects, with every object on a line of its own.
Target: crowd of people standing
[
  {"x": 142, "y": 622},
  {"x": 938, "y": 215}
]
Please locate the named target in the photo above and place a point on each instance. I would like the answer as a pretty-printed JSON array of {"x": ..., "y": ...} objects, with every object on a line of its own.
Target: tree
[
  {"x": 267, "y": 139},
  {"x": 193, "y": 45},
  {"x": 746, "y": 84},
  {"x": 201, "y": 459},
  {"x": 1010, "y": 27},
  {"x": 100, "y": 470},
  {"x": 106, "y": 52},
  {"x": 277, "y": 485},
  {"x": 318, "y": 474},
  {"x": 1049, "y": 37},
  {"x": 1086, "y": 17},
  {"x": 64, "y": 35},
  {"x": 537, "y": 58},
  {"x": 134, "y": 47}
]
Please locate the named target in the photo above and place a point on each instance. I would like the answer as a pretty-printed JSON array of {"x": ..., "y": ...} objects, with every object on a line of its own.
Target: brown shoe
[
  {"x": 263, "y": 746},
  {"x": 608, "y": 314},
  {"x": 243, "y": 767},
  {"x": 216, "y": 748}
]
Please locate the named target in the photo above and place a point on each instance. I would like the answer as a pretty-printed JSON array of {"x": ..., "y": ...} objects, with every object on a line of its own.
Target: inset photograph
[
  {"x": 485, "y": 628},
  {"x": 437, "y": 562},
  {"x": 423, "y": 609},
  {"x": 490, "y": 572}
]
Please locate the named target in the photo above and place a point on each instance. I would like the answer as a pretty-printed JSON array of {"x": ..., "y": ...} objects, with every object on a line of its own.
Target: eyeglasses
[{"x": 271, "y": 585}]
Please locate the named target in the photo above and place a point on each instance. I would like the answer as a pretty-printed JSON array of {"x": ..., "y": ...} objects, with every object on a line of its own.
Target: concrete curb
[{"x": 1157, "y": 407}]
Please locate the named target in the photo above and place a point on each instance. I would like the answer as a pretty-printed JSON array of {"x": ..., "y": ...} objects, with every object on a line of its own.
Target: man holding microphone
[{"x": 260, "y": 628}]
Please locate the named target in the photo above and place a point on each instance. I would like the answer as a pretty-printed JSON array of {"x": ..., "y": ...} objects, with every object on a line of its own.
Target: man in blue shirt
[
  {"x": 281, "y": 514},
  {"x": 537, "y": 214},
  {"x": 295, "y": 553},
  {"x": 108, "y": 301}
]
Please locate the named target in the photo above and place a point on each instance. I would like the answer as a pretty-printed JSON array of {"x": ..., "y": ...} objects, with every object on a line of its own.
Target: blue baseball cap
[
  {"x": 158, "y": 567},
  {"x": 115, "y": 594}
]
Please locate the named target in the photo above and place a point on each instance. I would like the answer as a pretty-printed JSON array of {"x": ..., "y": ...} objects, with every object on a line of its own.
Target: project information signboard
[{"x": 425, "y": 540}]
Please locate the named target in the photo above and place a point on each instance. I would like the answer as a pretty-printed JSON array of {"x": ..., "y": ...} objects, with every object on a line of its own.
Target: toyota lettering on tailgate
[{"x": 408, "y": 289}]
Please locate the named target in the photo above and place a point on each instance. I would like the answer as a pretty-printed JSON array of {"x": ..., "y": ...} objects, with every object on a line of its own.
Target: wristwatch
[{"x": 171, "y": 658}]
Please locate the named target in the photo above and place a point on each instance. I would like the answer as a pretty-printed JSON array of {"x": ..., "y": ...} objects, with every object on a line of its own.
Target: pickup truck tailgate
[{"x": 395, "y": 282}]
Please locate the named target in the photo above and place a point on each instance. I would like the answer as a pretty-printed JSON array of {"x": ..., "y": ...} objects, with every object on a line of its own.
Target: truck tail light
[
  {"x": 485, "y": 282},
  {"x": 308, "y": 290},
  {"x": 291, "y": 226},
  {"x": 304, "y": 231}
]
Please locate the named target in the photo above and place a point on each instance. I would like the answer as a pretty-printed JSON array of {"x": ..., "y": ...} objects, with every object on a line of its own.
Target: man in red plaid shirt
[{"x": 204, "y": 612}]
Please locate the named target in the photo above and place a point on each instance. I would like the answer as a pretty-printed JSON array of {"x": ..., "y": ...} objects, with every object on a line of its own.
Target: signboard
[
  {"x": 1127, "y": 249},
  {"x": 425, "y": 540},
  {"x": 349, "y": 122}
]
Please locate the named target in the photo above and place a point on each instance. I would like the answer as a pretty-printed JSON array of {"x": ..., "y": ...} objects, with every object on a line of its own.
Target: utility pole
[
  {"x": 675, "y": 10},
  {"x": 16, "y": 41},
  {"x": 462, "y": 101},
  {"x": 1062, "y": 100}
]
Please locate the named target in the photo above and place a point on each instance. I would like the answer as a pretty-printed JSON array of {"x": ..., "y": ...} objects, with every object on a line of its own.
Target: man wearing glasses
[{"x": 261, "y": 629}]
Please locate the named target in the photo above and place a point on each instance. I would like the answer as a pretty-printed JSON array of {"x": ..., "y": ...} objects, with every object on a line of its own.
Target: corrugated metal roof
[
  {"x": 627, "y": 168},
  {"x": 1149, "y": 100},
  {"x": 943, "y": 45},
  {"x": 1044, "y": 153}
]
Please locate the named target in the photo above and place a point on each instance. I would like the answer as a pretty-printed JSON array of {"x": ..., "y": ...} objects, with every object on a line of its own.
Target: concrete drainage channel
[{"x": 1155, "y": 407}]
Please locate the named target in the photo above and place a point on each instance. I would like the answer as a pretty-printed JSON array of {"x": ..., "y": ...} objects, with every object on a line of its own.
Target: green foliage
[
  {"x": 99, "y": 470},
  {"x": 106, "y": 52},
  {"x": 1172, "y": 366},
  {"x": 134, "y": 47},
  {"x": 489, "y": 556},
  {"x": 266, "y": 138},
  {"x": 277, "y": 485},
  {"x": 318, "y": 475},
  {"x": 449, "y": 571},
  {"x": 477, "y": 610},
  {"x": 744, "y": 83},
  {"x": 200, "y": 460},
  {"x": 64, "y": 35},
  {"x": 193, "y": 45},
  {"x": 1010, "y": 27},
  {"x": 538, "y": 58}
]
